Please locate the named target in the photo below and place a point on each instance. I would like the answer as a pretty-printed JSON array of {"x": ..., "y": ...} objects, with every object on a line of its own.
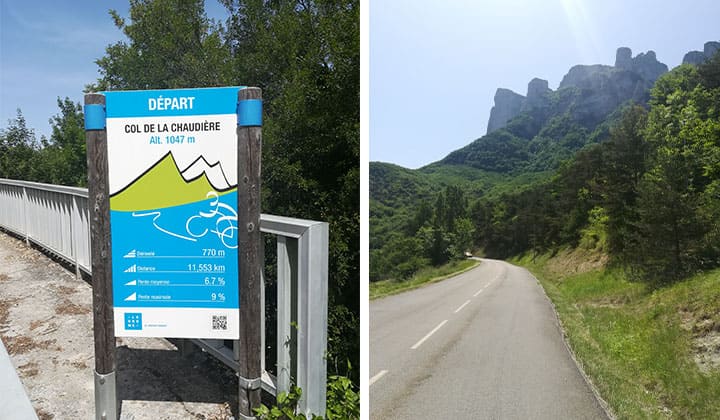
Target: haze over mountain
[
  {"x": 535, "y": 132},
  {"x": 604, "y": 88}
]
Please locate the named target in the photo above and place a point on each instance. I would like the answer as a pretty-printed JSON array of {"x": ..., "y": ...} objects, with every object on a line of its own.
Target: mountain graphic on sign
[
  {"x": 163, "y": 185},
  {"x": 214, "y": 173}
]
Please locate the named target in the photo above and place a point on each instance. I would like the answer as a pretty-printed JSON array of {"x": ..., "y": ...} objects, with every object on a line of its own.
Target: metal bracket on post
[
  {"x": 105, "y": 396},
  {"x": 249, "y": 384}
]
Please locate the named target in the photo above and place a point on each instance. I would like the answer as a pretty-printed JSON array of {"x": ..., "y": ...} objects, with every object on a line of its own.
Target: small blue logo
[{"x": 133, "y": 321}]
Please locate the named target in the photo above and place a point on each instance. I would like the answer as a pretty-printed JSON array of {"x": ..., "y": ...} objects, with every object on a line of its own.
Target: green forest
[
  {"x": 641, "y": 186},
  {"x": 305, "y": 55}
]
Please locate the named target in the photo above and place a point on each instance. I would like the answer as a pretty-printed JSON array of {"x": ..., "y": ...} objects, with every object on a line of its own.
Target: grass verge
[
  {"x": 649, "y": 350},
  {"x": 428, "y": 275}
]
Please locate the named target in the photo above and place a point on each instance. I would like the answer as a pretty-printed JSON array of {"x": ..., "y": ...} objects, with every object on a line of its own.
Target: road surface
[{"x": 482, "y": 345}]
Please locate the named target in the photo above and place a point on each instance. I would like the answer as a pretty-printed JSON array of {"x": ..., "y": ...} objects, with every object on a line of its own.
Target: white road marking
[
  {"x": 462, "y": 306},
  {"x": 377, "y": 376},
  {"x": 422, "y": 340},
  {"x": 479, "y": 291}
]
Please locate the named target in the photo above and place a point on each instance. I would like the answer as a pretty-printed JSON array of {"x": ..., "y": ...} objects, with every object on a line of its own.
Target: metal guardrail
[{"x": 55, "y": 218}]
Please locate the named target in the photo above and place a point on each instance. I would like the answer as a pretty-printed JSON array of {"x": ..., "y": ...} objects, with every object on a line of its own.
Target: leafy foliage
[
  {"x": 285, "y": 408},
  {"x": 343, "y": 403},
  {"x": 172, "y": 44},
  {"x": 64, "y": 157},
  {"x": 59, "y": 160},
  {"x": 434, "y": 235},
  {"x": 305, "y": 55},
  {"x": 18, "y": 148},
  {"x": 678, "y": 234}
]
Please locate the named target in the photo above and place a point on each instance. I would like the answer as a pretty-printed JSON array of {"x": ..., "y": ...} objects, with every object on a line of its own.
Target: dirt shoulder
[{"x": 46, "y": 325}]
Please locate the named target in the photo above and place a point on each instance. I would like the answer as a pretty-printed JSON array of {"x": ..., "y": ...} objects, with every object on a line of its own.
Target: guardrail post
[
  {"x": 26, "y": 231},
  {"x": 250, "y": 253},
  {"x": 74, "y": 210},
  {"x": 286, "y": 311},
  {"x": 100, "y": 251},
  {"x": 312, "y": 318}
]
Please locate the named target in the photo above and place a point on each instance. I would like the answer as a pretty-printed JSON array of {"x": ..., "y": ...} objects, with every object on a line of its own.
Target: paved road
[{"x": 482, "y": 345}]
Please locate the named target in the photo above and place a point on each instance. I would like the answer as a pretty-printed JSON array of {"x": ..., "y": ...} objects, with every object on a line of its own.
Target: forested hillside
[{"x": 583, "y": 165}]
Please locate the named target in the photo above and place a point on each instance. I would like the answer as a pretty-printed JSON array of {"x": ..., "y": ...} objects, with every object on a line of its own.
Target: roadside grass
[
  {"x": 425, "y": 276},
  {"x": 637, "y": 342}
]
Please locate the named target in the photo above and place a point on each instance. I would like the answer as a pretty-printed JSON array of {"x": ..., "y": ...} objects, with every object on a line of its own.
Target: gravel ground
[{"x": 46, "y": 325}]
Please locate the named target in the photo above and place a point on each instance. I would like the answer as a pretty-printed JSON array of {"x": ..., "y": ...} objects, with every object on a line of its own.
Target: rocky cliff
[
  {"x": 537, "y": 94},
  {"x": 600, "y": 89},
  {"x": 507, "y": 106},
  {"x": 699, "y": 57}
]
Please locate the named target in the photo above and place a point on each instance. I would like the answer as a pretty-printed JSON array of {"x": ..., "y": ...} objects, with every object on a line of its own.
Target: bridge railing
[{"x": 55, "y": 218}]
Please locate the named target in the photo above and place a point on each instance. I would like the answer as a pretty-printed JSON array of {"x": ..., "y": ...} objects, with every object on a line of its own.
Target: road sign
[{"x": 172, "y": 169}]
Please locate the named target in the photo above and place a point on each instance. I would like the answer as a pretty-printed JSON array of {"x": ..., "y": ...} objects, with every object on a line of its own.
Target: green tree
[
  {"x": 437, "y": 243},
  {"x": 18, "y": 149},
  {"x": 401, "y": 257},
  {"x": 423, "y": 215},
  {"x": 63, "y": 158},
  {"x": 305, "y": 55},
  {"x": 464, "y": 233},
  {"x": 624, "y": 156},
  {"x": 456, "y": 206},
  {"x": 172, "y": 44},
  {"x": 675, "y": 232}
]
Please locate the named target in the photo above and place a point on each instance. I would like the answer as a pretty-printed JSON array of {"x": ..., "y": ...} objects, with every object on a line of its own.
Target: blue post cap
[
  {"x": 94, "y": 117},
  {"x": 249, "y": 113}
]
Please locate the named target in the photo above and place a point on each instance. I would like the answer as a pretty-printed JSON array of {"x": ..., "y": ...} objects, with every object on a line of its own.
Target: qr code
[{"x": 219, "y": 322}]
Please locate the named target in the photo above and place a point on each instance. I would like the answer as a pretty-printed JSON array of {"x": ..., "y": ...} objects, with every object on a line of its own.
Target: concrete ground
[{"x": 46, "y": 325}]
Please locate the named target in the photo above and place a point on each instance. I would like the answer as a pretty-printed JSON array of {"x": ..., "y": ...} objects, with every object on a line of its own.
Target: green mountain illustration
[{"x": 162, "y": 186}]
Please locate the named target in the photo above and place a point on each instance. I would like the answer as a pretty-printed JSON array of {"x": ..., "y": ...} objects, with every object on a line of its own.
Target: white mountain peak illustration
[{"x": 214, "y": 173}]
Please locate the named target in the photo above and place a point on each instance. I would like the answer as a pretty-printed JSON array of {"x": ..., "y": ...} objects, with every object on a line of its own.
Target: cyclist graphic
[{"x": 221, "y": 220}]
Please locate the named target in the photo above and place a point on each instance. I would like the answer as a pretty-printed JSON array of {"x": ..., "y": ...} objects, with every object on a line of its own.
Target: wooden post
[
  {"x": 100, "y": 248},
  {"x": 250, "y": 251}
]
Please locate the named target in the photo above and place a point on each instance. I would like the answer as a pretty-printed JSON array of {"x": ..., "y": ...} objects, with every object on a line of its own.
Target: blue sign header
[{"x": 171, "y": 102}]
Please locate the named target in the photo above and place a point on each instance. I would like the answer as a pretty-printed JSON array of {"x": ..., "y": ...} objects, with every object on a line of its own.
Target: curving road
[{"x": 482, "y": 345}]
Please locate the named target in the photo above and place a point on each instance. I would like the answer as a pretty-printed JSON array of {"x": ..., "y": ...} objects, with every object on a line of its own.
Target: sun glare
[{"x": 583, "y": 29}]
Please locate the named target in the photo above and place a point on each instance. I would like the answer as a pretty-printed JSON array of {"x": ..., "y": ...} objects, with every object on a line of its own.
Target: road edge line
[
  {"x": 559, "y": 324},
  {"x": 427, "y": 283}
]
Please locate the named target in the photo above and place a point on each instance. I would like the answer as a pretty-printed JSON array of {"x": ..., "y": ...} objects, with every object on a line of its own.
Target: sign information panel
[{"x": 172, "y": 159}]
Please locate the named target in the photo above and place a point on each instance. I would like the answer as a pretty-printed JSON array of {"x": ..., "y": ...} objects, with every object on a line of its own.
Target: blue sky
[
  {"x": 435, "y": 65},
  {"x": 48, "y": 50}
]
